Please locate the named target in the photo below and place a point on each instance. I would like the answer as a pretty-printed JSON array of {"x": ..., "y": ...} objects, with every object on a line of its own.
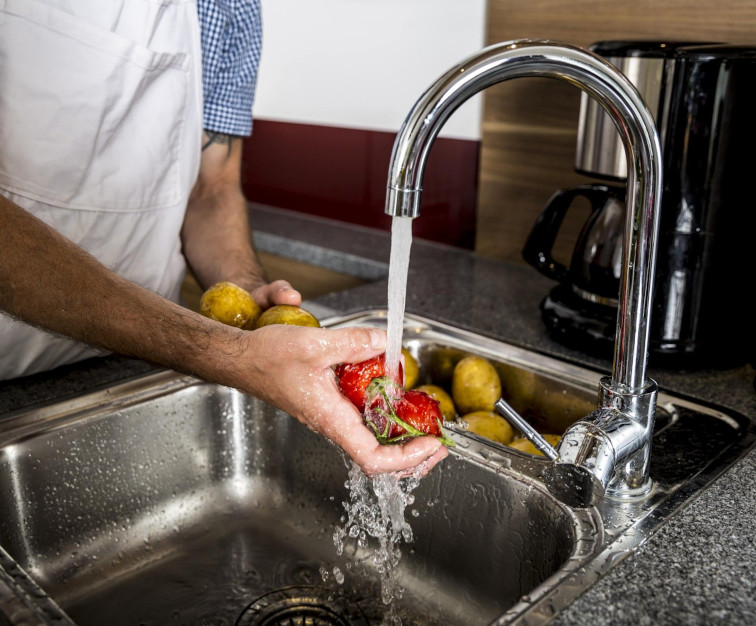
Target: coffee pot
[
  {"x": 594, "y": 271},
  {"x": 702, "y": 97}
]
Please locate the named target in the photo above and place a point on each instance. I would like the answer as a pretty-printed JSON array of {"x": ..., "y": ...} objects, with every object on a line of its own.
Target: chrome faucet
[{"x": 606, "y": 452}]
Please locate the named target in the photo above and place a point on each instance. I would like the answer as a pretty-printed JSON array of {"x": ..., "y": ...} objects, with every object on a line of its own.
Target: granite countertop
[{"x": 697, "y": 569}]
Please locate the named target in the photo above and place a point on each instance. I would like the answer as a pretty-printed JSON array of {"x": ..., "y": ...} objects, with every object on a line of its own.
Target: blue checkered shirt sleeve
[{"x": 231, "y": 32}]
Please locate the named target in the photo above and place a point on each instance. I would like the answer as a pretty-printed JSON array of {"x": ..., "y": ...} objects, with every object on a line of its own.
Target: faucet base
[{"x": 627, "y": 494}]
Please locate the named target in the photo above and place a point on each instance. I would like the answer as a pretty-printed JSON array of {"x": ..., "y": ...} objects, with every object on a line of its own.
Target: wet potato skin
[
  {"x": 230, "y": 304},
  {"x": 476, "y": 385},
  {"x": 489, "y": 425},
  {"x": 287, "y": 314}
]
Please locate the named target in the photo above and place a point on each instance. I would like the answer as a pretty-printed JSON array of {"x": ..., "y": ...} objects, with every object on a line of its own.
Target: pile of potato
[
  {"x": 474, "y": 388},
  {"x": 232, "y": 305}
]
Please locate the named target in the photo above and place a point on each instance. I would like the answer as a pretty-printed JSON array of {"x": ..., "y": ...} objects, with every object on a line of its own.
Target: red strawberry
[
  {"x": 396, "y": 414},
  {"x": 418, "y": 409},
  {"x": 354, "y": 378}
]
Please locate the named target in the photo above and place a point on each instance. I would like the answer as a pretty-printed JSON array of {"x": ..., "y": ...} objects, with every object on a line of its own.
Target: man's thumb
[{"x": 352, "y": 345}]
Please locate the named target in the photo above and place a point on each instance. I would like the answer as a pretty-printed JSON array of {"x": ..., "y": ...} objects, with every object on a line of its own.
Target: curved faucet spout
[
  {"x": 622, "y": 102},
  {"x": 636, "y": 126}
]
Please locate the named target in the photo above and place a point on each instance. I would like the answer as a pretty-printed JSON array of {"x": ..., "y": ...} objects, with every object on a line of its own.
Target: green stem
[{"x": 381, "y": 384}]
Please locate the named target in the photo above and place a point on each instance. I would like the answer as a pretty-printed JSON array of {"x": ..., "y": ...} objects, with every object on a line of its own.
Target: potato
[
  {"x": 524, "y": 445},
  {"x": 559, "y": 408},
  {"x": 445, "y": 402},
  {"x": 475, "y": 385},
  {"x": 287, "y": 314},
  {"x": 411, "y": 369},
  {"x": 519, "y": 386},
  {"x": 441, "y": 365},
  {"x": 230, "y": 304},
  {"x": 489, "y": 425}
]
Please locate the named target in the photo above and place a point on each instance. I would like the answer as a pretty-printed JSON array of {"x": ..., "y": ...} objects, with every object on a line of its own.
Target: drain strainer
[{"x": 302, "y": 606}]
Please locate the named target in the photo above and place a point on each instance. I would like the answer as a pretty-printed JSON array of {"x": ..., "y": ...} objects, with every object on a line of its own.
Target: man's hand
[{"x": 292, "y": 368}]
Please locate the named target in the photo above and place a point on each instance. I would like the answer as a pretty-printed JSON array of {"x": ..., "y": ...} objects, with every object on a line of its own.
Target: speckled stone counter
[{"x": 697, "y": 569}]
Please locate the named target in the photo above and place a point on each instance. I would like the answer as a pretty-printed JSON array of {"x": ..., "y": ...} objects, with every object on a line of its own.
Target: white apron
[{"x": 100, "y": 131}]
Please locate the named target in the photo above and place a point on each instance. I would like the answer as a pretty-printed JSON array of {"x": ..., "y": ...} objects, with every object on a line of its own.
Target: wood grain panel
[{"x": 530, "y": 125}]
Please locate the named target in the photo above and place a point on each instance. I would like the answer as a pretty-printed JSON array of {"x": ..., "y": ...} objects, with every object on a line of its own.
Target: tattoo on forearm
[{"x": 214, "y": 137}]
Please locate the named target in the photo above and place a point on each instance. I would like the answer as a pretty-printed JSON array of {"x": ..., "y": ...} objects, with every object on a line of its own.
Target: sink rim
[
  {"x": 590, "y": 558},
  {"x": 101, "y": 403}
]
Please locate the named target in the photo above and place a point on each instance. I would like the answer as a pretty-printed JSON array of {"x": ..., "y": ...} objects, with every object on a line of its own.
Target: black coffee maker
[{"x": 703, "y": 98}]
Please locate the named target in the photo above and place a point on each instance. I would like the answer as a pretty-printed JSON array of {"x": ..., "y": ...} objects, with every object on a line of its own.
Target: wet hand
[
  {"x": 294, "y": 371},
  {"x": 277, "y": 292}
]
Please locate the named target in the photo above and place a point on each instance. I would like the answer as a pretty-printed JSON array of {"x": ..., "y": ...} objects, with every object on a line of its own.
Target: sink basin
[{"x": 169, "y": 500}]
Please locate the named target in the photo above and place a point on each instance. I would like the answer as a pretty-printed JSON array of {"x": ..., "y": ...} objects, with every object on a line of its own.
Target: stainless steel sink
[{"x": 166, "y": 500}]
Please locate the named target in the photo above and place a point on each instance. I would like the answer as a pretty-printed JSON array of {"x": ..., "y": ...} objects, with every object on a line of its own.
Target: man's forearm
[
  {"x": 49, "y": 282},
  {"x": 216, "y": 240},
  {"x": 216, "y": 235}
]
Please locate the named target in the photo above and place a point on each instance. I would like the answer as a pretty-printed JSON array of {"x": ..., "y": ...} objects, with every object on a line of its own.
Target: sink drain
[{"x": 302, "y": 606}]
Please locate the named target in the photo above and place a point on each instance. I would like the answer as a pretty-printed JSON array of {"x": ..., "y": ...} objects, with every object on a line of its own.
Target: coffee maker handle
[{"x": 540, "y": 243}]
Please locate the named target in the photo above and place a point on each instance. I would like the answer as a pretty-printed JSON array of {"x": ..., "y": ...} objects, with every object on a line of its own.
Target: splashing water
[
  {"x": 376, "y": 506},
  {"x": 375, "y": 510},
  {"x": 401, "y": 242}
]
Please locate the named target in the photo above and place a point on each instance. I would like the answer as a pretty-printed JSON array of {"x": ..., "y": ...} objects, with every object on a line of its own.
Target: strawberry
[
  {"x": 354, "y": 378},
  {"x": 396, "y": 414},
  {"x": 419, "y": 410}
]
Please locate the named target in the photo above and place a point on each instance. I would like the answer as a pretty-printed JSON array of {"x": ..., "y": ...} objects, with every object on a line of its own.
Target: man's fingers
[
  {"x": 423, "y": 452},
  {"x": 277, "y": 292},
  {"x": 281, "y": 292},
  {"x": 353, "y": 345},
  {"x": 375, "y": 458},
  {"x": 426, "y": 466}
]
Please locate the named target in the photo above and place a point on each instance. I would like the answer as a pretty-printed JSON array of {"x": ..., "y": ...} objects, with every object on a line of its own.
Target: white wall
[{"x": 364, "y": 63}]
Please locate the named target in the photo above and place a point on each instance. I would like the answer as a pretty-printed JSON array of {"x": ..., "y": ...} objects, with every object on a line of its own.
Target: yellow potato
[
  {"x": 524, "y": 445},
  {"x": 519, "y": 387},
  {"x": 230, "y": 304},
  {"x": 475, "y": 385},
  {"x": 287, "y": 314},
  {"x": 445, "y": 402},
  {"x": 411, "y": 369},
  {"x": 441, "y": 365},
  {"x": 559, "y": 408},
  {"x": 489, "y": 425}
]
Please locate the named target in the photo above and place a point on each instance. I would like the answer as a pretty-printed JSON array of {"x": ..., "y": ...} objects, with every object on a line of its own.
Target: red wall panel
[{"x": 341, "y": 173}]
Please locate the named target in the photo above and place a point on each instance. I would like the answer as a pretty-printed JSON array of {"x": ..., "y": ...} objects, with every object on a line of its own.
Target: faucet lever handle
[{"x": 506, "y": 410}]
